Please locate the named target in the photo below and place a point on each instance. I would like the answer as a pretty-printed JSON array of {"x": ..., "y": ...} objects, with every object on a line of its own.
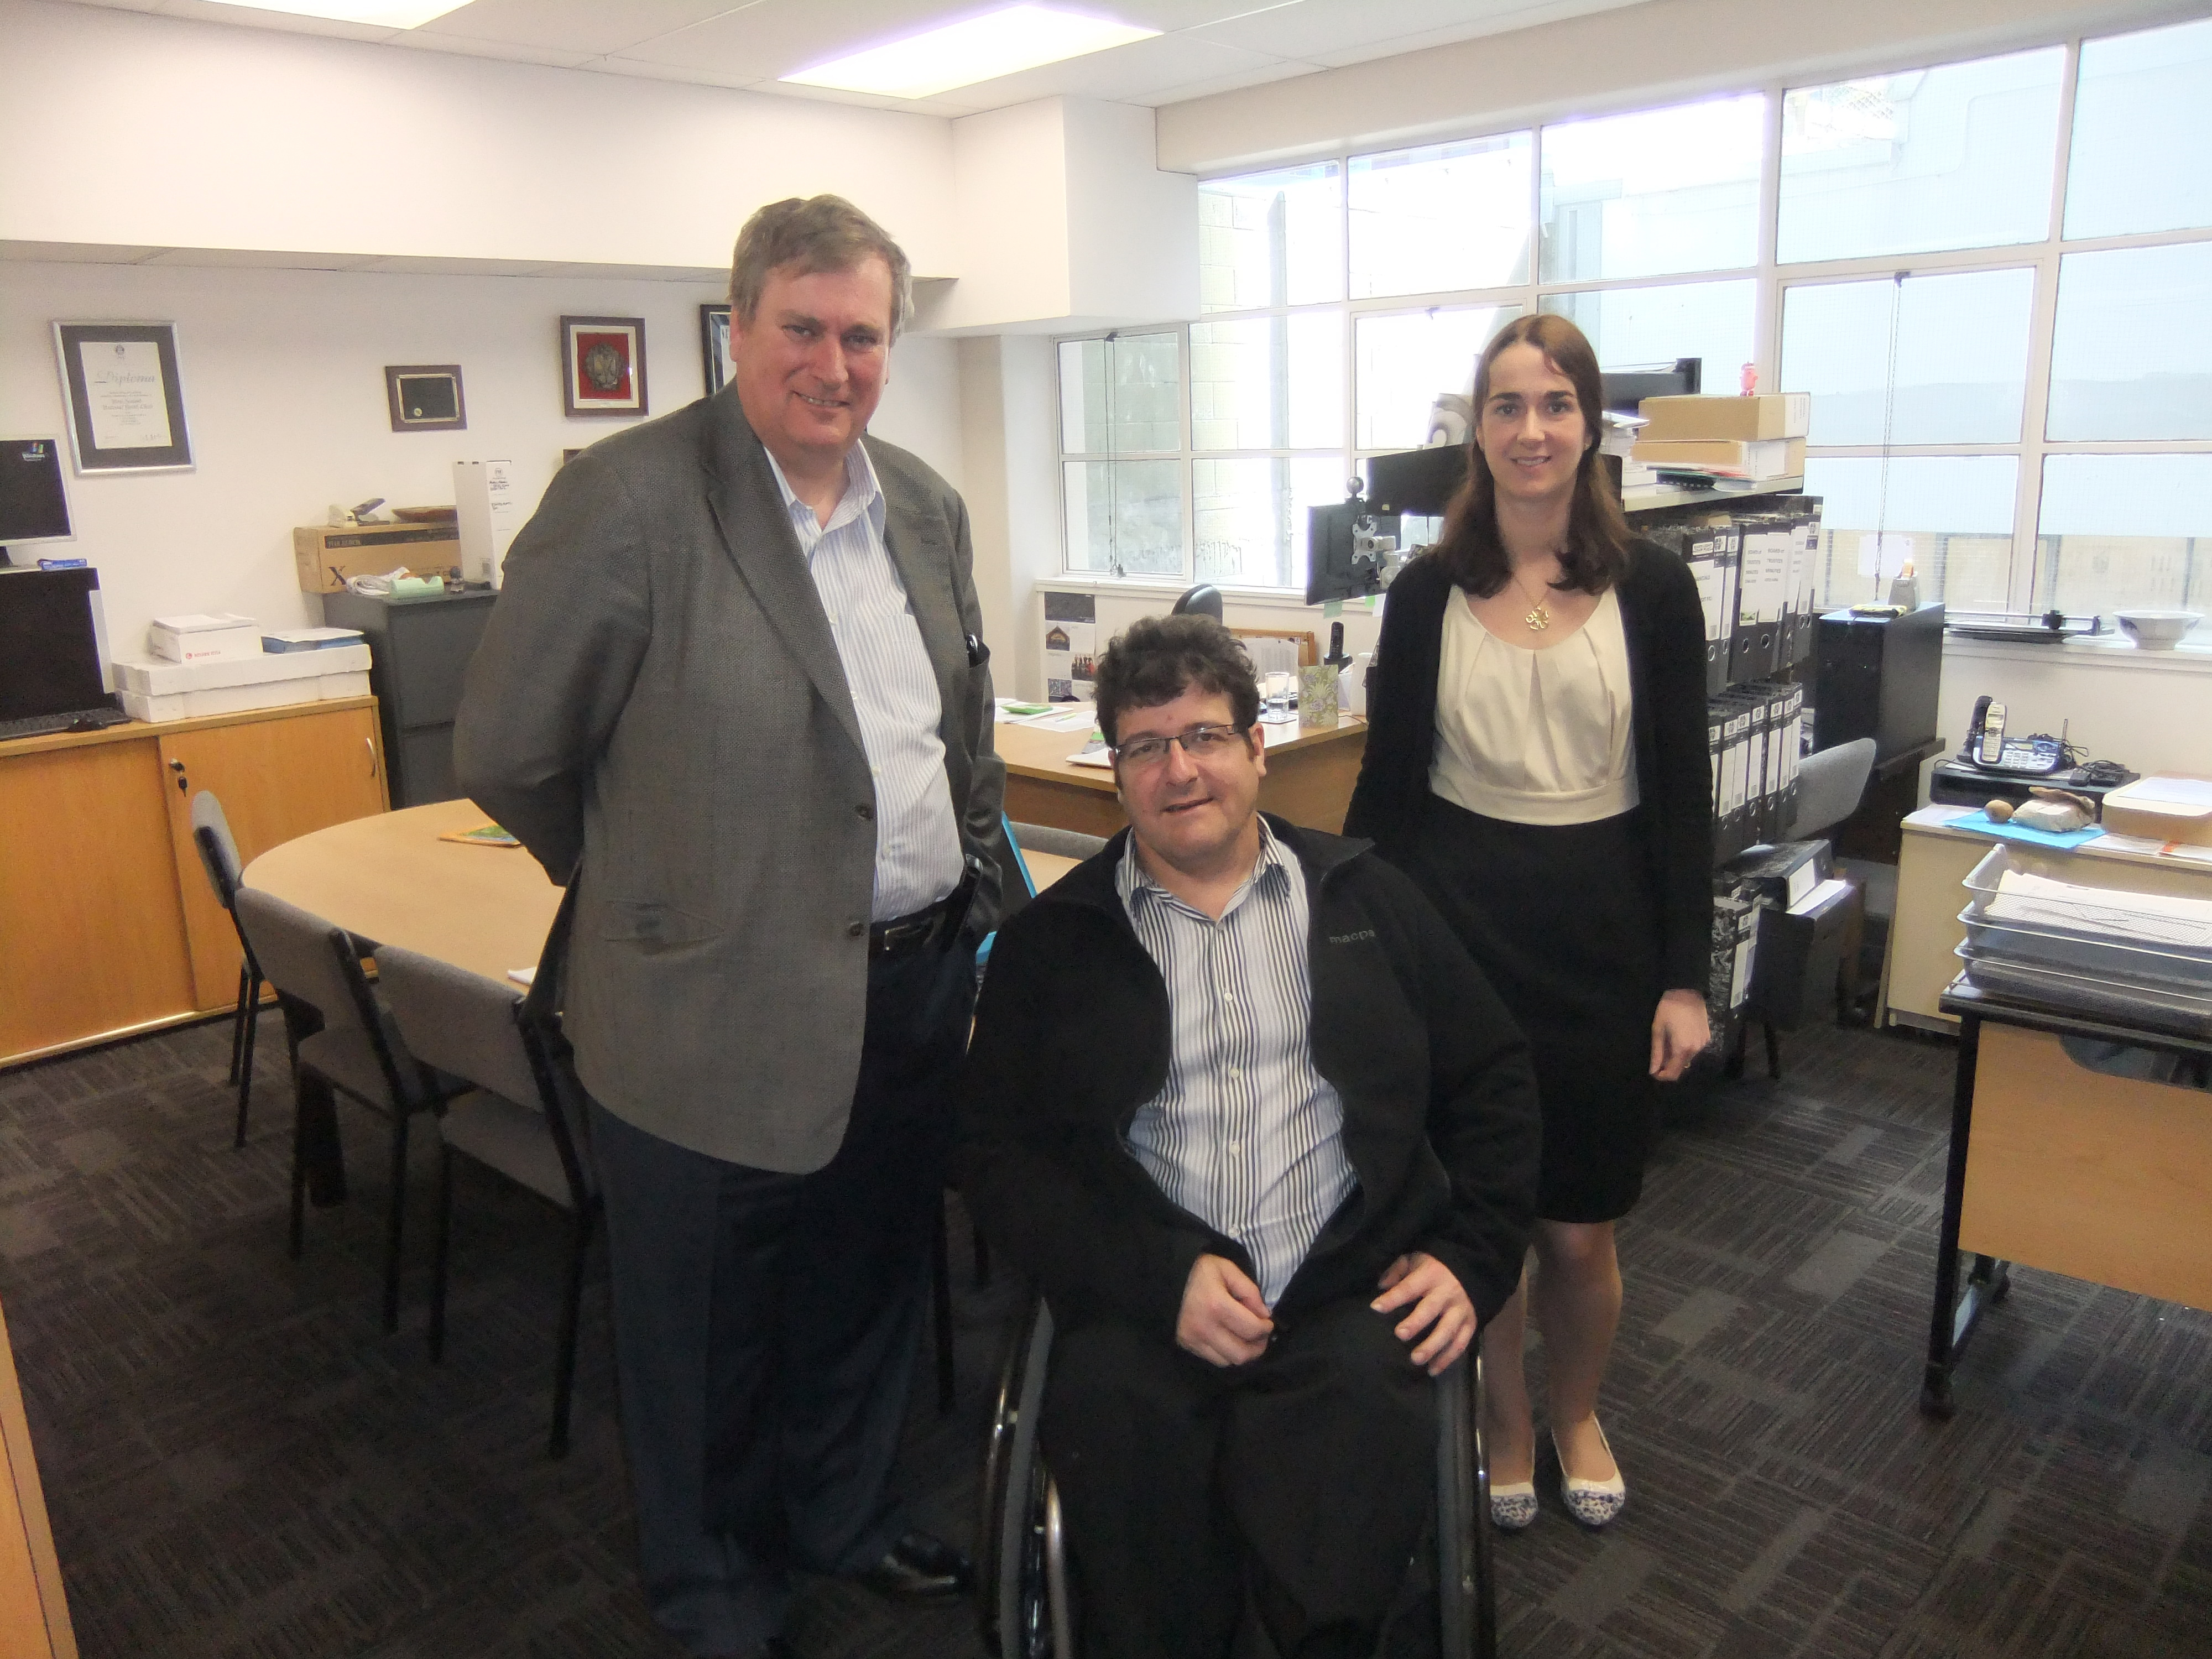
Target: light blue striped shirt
[
  {"x": 894, "y": 689},
  {"x": 1248, "y": 1136}
]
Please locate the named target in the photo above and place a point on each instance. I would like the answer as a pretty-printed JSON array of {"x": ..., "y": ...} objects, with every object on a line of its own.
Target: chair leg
[
  {"x": 564, "y": 1364},
  {"x": 1486, "y": 1584},
  {"x": 440, "y": 1253},
  {"x": 237, "y": 1024},
  {"x": 297, "y": 1237},
  {"x": 395, "y": 1220},
  {"x": 940, "y": 1277},
  {"x": 250, "y": 1017}
]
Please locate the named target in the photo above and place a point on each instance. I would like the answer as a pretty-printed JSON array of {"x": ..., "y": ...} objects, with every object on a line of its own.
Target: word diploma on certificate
[{"x": 125, "y": 402}]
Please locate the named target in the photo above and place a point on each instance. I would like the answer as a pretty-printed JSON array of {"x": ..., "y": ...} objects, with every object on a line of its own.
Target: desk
[
  {"x": 1932, "y": 861},
  {"x": 2055, "y": 1166},
  {"x": 1308, "y": 781}
]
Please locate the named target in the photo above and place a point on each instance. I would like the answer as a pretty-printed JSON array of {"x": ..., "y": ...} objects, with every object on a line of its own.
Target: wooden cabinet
[{"x": 107, "y": 925}]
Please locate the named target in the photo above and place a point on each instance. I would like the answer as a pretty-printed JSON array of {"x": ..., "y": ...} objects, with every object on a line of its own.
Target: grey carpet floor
[{"x": 238, "y": 1463}]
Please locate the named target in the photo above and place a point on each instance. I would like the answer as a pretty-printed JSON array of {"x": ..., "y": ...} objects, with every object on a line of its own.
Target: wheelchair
[{"x": 1023, "y": 1604}]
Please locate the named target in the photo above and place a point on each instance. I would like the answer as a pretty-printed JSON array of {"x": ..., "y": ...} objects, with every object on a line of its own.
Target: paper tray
[
  {"x": 2160, "y": 1007},
  {"x": 2051, "y": 947},
  {"x": 2088, "y": 913}
]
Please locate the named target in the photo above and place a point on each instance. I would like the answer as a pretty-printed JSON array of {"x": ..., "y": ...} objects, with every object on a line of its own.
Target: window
[{"x": 2004, "y": 319}]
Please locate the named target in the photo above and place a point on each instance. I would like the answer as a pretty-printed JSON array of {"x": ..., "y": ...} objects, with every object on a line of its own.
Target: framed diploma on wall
[{"x": 126, "y": 404}]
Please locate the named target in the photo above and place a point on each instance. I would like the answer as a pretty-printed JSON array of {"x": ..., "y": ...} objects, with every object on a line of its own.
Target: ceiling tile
[
  {"x": 1496, "y": 22},
  {"x": 206, "y": 11},
  {"x": 506, "y": 51},
  {"x": 589, "y": 26},
  {"x": 1286, "y": 70},
  {"x": 1123, "y": 74},
  {"x": 775, "y": 37},
  {"x": 688, "y": 73}
]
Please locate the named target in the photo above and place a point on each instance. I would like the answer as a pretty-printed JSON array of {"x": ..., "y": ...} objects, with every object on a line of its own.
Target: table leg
[{"x": 1953, "y": 1316}]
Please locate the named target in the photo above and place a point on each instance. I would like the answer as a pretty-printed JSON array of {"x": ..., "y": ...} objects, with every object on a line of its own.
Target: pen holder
[{"x": 1318, "y": 695}]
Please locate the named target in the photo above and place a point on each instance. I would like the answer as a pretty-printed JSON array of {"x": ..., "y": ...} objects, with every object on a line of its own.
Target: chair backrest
[
  {"x": 218, "y": 846},
  {"x": 475, "y": 1028},
  {"x": 305, "y": 956},
  {"x": 1829, "y": 782},
  {"x": 1046, "y": 838}
]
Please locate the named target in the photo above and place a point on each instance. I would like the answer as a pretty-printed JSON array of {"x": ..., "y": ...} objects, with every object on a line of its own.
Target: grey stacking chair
[
  {"x": 358, "y": 1052},
  {"x": 522, "y": 1119},
  {"x": 219, "y": 855}
]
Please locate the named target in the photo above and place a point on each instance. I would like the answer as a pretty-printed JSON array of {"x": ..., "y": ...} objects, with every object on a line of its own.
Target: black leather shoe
[{"x": 920, "y": 1568}]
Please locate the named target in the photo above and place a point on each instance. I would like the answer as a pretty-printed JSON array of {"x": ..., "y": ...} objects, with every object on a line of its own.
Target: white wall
[
  {"x": 283, "y": 388},
  {"x": 140, "y": 129},
  {"x": 2149, "y": 710}
]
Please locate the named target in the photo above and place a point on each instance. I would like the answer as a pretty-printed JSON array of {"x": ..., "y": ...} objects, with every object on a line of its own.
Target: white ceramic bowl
[{"x": 2158, "y": 630}]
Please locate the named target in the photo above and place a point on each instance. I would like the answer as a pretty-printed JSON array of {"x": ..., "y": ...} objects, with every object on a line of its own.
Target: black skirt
[{"x": 1563, "y": 919}]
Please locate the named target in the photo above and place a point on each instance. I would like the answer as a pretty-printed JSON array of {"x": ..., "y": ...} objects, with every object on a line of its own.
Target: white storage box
[
  {"x": 179, "y": 690},
  {"x": 198, "y": 638}
]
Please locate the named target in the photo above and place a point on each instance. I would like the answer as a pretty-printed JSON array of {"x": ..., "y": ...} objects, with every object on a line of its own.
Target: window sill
[
  {"x": 1153, "y": 587},
  {"x": 2191, "y": 657}
]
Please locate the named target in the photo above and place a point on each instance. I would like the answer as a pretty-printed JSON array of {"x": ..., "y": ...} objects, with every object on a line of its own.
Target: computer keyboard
[{"x": 75, "y": 719}]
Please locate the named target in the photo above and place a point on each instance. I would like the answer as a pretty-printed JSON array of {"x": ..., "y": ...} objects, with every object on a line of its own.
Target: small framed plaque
[
  {"x": 714, "y": 346},
  {"x": 425, "y": 398},
  {"x": 603, "y": 365},
  {"x": 126, "y": 404}
]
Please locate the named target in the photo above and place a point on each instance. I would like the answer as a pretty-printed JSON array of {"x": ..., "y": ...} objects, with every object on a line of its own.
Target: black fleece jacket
[
  {"x": 1665, "y": 623},
  {"x": 1071, "y": 1037}
]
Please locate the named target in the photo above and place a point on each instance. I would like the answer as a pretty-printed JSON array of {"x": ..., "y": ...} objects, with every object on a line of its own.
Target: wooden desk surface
[{"x": 390, "y": 879}]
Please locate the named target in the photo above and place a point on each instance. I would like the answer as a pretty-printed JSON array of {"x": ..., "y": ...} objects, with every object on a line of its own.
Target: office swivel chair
[
  {"x": 219, "y": 856},
  {"x": 1203, "y": 600},
  {"x": 357, "y": 1051},
  {"x": 523, "y": 1119},
  {"x": 1022, "y": 1601}
]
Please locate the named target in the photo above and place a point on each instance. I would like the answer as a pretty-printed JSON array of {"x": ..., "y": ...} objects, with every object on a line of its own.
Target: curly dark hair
[
  {"x": 1597, "y": 554},
  {"x": 1158, "y": 659}
]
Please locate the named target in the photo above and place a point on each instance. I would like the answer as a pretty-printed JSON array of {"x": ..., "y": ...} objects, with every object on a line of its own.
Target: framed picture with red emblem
[{"x": 602, "y": 366}]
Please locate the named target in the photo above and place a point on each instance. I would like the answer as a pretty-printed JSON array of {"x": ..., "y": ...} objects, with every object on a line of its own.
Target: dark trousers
[
  {"x": 765, "y": 1326},
  {"x": 1293, "y": 1493}
]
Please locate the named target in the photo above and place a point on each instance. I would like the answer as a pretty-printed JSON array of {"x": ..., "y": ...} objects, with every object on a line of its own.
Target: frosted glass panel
[
  {"x": 1404, "y": 361},
  {"x": 1268, "y": 382},
  {"x": 1272, "y": 239},
  {"x": 1631, "y": 327},
  {"x": 1960, "y": 351},
  {"x": 1440, "y": 217},
  {"x": 2132, "y": 357},
  {"x": 1120, "y": 397},
  {"x": 1956, "y": 156},
  {"x": 1124, "y": 518},
  {"x": 2141, "y": 158},
  {"x": 1248, "y": 517},
  {"x": 2126, "y": 532},
  {"x": 1952, "y": 516},
  {"x": 1659, "y": 191}
]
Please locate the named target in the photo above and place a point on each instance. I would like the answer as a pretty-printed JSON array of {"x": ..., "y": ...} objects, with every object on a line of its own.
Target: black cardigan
[
  {"x": 1071, "y": 1037},
  {"x": 1664, "y": 620}
]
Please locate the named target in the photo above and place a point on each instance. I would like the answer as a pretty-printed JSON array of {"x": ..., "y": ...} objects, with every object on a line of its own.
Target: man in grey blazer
[{"x": 735, "y": 691}]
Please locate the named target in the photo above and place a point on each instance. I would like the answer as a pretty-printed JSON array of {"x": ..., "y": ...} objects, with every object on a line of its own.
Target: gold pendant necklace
[{"x": 1537, "y": 618}]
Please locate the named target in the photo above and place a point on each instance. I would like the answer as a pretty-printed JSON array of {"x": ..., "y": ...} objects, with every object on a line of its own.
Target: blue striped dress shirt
[
  {"x": 1248, "y": 1136},
  {"x": 894, "y": 689}
]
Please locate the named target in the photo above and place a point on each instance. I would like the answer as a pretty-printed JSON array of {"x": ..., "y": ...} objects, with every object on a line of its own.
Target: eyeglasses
[{"x": 1199, "y": 743}]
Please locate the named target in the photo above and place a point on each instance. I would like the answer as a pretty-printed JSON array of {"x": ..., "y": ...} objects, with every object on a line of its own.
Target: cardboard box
[
  {"x": 1743, "y": 457},
  {"x": 2164, "y": 806},
  {"x": 165, "y": 679},
  {"x": 328, "y": 553},
  {"x": 200, "y": 638},
  {"x": 1769, "y": 414}
]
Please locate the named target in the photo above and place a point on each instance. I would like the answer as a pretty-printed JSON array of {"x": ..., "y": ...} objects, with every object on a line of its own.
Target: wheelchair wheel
[{"x": 1018, "y": 1552}]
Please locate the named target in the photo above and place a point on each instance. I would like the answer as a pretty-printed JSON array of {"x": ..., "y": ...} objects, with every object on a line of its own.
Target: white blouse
[{"x": 1535, "y": 737}]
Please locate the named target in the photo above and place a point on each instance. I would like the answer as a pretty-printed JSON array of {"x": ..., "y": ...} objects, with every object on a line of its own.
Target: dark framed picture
[
  {"x": 126, "y": 404},
  {"x": 425, "y": 398},
  {"x": 714, "y": 346},
  {"x": 603, "y": 365}
]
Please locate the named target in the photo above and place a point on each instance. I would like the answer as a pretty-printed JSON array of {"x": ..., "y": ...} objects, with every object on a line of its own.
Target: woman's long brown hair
[{"x": 1471, "y": 550}]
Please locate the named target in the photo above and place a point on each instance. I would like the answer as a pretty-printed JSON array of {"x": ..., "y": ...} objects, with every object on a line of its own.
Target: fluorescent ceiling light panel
[
  {"x": 390, "y": 13},
  {"x": 977, "y": 49}
]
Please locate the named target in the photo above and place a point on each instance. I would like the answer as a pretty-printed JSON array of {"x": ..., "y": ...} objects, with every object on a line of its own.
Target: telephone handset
[{"x": 1986, "y": 748}]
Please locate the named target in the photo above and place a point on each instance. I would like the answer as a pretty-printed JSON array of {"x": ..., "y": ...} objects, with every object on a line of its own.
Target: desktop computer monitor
[
  {"x": 34, "y": 505},
  {"x": 52, "y": 643},
  {"x": 1625, "y": 389},
  {"x": 1342, "y": 560}
]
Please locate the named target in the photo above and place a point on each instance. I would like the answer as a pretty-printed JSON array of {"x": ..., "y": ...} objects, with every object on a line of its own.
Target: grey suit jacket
[{"x": 658, "y": 695}]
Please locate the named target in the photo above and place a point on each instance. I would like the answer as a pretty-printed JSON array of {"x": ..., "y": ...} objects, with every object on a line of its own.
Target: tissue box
[{"x": 198, "y": 638}]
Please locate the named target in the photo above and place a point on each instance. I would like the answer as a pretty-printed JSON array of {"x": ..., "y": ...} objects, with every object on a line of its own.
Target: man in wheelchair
[{"x": 1267, "y": 1141}]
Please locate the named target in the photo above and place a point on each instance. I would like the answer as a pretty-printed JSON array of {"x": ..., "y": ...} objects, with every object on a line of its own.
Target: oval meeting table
[{"x": 390, "y": 879}]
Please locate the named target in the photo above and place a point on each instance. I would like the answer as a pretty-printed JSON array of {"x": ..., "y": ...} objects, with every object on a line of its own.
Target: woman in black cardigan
[{"x": 1536, "y": 761}]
